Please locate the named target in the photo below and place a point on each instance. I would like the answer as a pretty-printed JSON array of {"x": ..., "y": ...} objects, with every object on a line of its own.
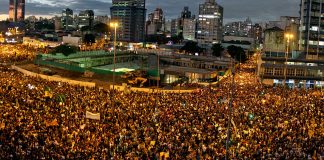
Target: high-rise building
[
  {"x": 233, "y": 29},
  {"x": 102, "y": 19},
  {"x": 86, "y": 18},
  {"x": 239, "y": 28},
  {"x": 57, "y": 23},
  {"x": 16, "y": 10},
  {"x": 155, "y": 22},
  {"x": 311, "y": 28},
  {"x": 185, "y": 13},
  {"x": 67, "y": 19},
  {"x": 175, "y": 27},
  {"x": 167, "y": 26},
  {"x": 187, "y": 18},
  {"x": 130, "y": 15},
  {"x": 256, "y": 33},
  {"x": 210, "y": 22},
  {"x": 189, "y": 29}
]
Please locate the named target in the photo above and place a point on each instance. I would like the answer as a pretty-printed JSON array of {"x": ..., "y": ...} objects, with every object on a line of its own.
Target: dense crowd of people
[
  {"x": 16, "y": 53},
  {"x": 47, "y": 120}
]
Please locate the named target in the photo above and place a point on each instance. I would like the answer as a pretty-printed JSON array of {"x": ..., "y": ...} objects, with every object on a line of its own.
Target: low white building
[{"x": 73, "y": 41}]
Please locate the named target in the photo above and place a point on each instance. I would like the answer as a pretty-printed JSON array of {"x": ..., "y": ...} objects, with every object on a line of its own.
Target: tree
[
  {"x": 85, "y": 28},
  {"x": 177, "y": 38},
  {"x": 65, "y": 49},
  {"x": 156, "y": 38},
  {"x": 191, "y": 47},
  {"x": 100, "y": 28},
  {"x": 237, "y": 53},
  {"x": 217, "y": 50},
  {"x": 44, "y": 25},
  {"x": 89, "y": 39}
]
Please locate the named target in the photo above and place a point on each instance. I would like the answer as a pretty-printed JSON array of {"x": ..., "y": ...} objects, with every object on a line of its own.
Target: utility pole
[{"x": 230, "y": 112}]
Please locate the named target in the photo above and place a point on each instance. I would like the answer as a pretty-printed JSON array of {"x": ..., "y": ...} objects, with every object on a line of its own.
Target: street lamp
[
  {"x": 114, "y": 25},
  {"x": 230, "y": 112},
  {"x": 288, "y": 36}
]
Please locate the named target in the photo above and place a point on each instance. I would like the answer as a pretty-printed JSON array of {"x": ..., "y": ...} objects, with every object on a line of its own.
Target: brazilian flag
[{"x": 61, "y": 98}]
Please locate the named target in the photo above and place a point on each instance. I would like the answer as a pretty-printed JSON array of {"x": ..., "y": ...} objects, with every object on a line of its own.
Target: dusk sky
[{"x": 257, "y": 10}]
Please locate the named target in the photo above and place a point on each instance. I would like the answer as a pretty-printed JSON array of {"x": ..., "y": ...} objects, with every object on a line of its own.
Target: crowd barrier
[
  {"x": 52, "y": 78},
  {"x": 148, "y": 90}
]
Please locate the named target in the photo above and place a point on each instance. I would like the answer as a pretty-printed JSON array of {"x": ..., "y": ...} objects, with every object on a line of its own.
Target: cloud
[
  {"x": 234, "y": 10},
  {"x": 4, "y": 7},
  {"x": 257, "y": 10}
]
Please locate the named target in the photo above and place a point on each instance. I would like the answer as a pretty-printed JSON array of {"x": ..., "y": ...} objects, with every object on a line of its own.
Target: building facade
[
  {"x": 311, "y": 30},
  {"x": 175, "y": 27},
  {"x": 130, "y": 15},
  {"x": 239, "y": 28},
  {"x": 155, "y": 22},
  {"x": 16, "y": 10},
  {"x": 67, "y": 19},
  {"x": 57, "y": 23},
  {"x": 189, "y": 29},
  {"x": 86, "y": 18},
  {"x": 210, "y": 22},
  {"x": 257, "y": 33},
  {"x": 102, "y": 19}
]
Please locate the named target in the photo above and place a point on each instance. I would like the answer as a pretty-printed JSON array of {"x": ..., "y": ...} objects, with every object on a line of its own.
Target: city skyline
[{"x": 258, "y": 11}]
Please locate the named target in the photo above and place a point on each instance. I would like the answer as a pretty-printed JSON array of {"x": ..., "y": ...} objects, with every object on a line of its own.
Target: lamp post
[
  {"x": 158, "y": 80},
  {"x": 114, "y": 25},
  {"x": 228, "y": 138},
  {"x": 288, "y": 36}
]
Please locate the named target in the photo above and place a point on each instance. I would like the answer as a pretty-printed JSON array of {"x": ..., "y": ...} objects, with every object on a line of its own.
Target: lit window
[
  {"x": 313, "y": 42},
  {"x": 314, "y": 28}
]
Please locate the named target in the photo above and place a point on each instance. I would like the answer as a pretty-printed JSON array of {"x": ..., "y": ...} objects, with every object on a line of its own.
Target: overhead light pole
[
  {"x": 114, "y": 25},
  {"x": 288, "y": 36},
  {"x": 228, "y": 138}
]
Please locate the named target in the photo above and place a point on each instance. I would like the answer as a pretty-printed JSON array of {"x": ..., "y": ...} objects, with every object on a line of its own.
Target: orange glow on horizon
[{"x": 6, "y": 16}]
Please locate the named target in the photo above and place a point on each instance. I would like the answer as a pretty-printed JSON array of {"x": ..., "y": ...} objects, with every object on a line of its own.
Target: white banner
[
  {"x": 82, "y": 126},
  {"x": 93, "y": 115}
]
